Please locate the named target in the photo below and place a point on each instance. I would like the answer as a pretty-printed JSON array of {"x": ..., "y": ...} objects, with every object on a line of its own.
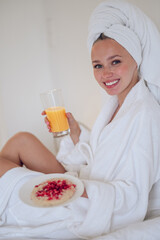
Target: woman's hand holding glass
[{"x": 73, "y": 124}]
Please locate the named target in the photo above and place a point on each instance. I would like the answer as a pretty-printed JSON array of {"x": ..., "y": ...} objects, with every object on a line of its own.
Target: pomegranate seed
[{"x": 54, "y": 189}]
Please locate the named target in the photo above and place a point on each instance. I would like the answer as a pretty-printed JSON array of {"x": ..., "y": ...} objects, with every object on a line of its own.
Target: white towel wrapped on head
[{"x": 132, "y": 29}]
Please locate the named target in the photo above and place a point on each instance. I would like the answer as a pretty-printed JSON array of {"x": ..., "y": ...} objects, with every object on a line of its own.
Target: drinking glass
[{"x": 53, "y": 105}]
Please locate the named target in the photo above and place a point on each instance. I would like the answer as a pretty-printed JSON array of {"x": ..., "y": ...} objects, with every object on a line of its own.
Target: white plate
[{"x": 26, "y": 189}]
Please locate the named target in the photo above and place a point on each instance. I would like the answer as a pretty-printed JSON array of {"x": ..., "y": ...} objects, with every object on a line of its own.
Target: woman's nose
[{"x": 107, "y": 72}]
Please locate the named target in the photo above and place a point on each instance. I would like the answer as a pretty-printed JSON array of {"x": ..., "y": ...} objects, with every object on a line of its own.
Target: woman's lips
[{"x": 111, "y": 84}]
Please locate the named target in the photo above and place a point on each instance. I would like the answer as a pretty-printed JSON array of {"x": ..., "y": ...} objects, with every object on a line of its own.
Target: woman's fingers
[
  {"x": 46, "y": 121},
  {"x": 72, "y": 122},
  {"x": 43, "y": 113}
]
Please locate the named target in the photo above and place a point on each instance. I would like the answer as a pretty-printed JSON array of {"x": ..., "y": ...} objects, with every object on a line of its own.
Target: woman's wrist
[{"x": 75, "y": 137}]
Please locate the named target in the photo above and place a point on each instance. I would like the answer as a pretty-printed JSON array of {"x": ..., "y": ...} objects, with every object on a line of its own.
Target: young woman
[{"x": 119, "y": 162}]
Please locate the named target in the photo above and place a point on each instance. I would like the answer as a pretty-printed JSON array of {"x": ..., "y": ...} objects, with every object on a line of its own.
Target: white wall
[
  {"x": 25, "y": 68},
  {"x": 43, "y": 46}
]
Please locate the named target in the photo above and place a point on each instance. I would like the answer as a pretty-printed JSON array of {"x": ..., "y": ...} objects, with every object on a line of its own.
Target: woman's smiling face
[{"x": 114, "y": 68}]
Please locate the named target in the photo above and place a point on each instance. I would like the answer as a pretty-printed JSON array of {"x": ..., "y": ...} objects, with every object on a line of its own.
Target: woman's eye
[
  {"x": 115, "y": 62},
  {"x": 97, "y": 66}
]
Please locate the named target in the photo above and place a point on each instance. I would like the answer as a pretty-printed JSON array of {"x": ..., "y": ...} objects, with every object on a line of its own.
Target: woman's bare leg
[
  {"x": 25, "y": 148},
  {"x": 6, "y": 165}
]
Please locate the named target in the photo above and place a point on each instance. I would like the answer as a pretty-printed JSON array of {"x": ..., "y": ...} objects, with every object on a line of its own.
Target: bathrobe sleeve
[{"x": 72, "y": 156}]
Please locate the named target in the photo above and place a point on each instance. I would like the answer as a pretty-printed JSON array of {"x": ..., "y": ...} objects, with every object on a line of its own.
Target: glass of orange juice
[{"x": 52, "y": 101}]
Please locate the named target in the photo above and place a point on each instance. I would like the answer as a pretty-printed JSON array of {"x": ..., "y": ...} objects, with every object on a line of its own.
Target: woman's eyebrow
[
  {"x": 95, "y": 61},
  {"x": 109, "y": 58}
]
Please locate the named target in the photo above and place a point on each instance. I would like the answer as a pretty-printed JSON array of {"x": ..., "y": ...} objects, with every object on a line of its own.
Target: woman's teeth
[{"x": 111, "y": 83}]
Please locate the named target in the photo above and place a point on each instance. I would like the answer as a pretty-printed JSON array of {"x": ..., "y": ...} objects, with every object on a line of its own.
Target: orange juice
[{"x": 57, "y": 118}]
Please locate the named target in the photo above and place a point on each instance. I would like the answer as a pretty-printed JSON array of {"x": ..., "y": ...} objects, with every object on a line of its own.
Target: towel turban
[{"x": 132, "y": 29}]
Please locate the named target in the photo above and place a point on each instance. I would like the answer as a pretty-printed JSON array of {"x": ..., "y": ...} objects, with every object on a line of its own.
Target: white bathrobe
[{"x": 118, "y": 165}]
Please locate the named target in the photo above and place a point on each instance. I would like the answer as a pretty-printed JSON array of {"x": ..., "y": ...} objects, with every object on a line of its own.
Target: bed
[{"x": 147, "y": 230}]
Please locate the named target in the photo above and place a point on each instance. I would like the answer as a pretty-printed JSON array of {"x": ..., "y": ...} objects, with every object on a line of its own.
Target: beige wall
[{"x": 43, "y": 46}]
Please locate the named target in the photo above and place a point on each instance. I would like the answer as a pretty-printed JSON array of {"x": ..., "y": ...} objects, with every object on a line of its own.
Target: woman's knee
[
  {"x": 23, "y": 137},
  {"x": 16, "y": 142}
]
